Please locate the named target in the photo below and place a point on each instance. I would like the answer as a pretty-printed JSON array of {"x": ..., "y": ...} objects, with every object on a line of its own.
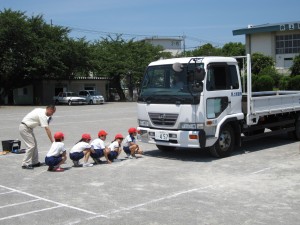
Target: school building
[{"x": 281, "y": 41}]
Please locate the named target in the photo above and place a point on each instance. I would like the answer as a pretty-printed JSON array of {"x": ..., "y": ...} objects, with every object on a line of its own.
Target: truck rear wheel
[
  {"x": 165, "y": 148},
  {"x": 225, "y": 143}
]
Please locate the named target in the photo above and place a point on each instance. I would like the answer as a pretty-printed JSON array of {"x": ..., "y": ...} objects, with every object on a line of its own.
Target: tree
[
  {"x": 30, "y": 50},
  {"x": 14, "y": 36},
  {"x": 76, "y": 56},
  {"x": 206, "y": 50},
  {"x": 234, "y": 49},
  {"x": 294, "y": 83},
  {"x": 272, "y": 72},
  {"x": 263, "y": 83},
  {"x": 260, "y": 61},
  {"x": 119, "y": 59},
  {"x": 295, "y": 69}
]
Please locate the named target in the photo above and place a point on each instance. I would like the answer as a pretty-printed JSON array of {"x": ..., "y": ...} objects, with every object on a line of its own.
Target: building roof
[
  {"x": 269, "y": 27},
  {"x": 162, "y": 38}
]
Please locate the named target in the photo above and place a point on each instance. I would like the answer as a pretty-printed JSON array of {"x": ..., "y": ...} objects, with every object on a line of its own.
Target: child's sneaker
[
  {"x": 87, "y": 164},
  {"x": 130, "y": 157},
  {"x": 76, "y": 163},
  {"x": 127, "y": 155}
]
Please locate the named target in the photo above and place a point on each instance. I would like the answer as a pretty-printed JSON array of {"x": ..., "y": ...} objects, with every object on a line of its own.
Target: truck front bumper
[{"x": 175, "y": 138}]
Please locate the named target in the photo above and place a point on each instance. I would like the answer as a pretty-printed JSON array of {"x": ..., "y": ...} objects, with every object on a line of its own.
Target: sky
[{"x": 198, "y": 21}]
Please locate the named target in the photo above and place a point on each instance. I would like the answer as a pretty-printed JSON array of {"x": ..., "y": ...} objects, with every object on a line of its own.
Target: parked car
[
  {"x": 91, "y": 97},
  {"x": 70, "y": 98}
]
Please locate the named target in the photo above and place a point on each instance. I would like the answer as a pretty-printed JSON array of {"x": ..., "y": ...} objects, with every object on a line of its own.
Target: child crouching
[
  {"x": 56, "y": 156},
  {"x": 82, "y": 149},
  {"x": 130, "y": 146},
  {"x": 115, "y": 148},
  {"x": 98, "y": 147}
]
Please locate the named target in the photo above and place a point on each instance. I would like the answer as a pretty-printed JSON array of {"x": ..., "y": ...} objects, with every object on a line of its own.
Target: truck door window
[
  {"x": 222, "y": 77},
  {"x": 215, "y": 106}
]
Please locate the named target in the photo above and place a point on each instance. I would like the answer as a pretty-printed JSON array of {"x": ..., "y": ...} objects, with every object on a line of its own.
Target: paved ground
[{"x": 259, "y": 184}]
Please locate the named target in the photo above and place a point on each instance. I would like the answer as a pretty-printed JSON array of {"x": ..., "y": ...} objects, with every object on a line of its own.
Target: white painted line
[
  {"x": 106, "y": 215},
  {"x": 47, "y": 200},
  {"x": 31, "y": 212},
  {"x": 259, "y": 171},
  {"x": 20, "y": 203},
  {"x": 3, "y": 193}
]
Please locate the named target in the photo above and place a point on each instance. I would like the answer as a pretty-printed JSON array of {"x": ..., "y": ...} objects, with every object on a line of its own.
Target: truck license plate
[{"x": 162, "y": 135}]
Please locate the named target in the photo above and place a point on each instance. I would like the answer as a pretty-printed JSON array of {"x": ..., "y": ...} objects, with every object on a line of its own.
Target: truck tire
[
  {"x": 296, "y": 133},
  {"x": 56, "y": 102},
  {"x": 69, "y": 102},
  {"x": 297, "y": 130},
  {"x": 225, "y": 143},
  {"x": 165, "y": 148},
  {"x": 91, "y": 102}
]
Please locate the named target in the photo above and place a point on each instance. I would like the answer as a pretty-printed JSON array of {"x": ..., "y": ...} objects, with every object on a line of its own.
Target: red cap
[
  {"x": 59, "y": 135},
  {"x": 131, "y": 130},
  {"x": 119, "y": 136},
  {"x": 86, "y": 136},
  {"x": 102, "y": 133}
]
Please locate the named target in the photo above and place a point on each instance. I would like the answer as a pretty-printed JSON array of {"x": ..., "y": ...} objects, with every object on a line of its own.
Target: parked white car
[
  {"x": 91, "y": 97},
  {"x": 70, "y": 98}
]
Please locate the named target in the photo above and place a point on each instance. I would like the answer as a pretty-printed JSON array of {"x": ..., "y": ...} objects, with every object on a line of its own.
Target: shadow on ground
[{"x": 203, "y": 155}]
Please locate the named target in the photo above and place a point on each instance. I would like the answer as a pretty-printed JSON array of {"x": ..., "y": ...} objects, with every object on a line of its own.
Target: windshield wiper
[{"x": 148, "y": 99}]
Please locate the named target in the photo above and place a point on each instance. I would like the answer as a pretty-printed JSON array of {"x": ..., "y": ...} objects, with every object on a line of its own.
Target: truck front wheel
[
  {"x": 165, "y": 148},
  {"x": 225, "y": 143}
]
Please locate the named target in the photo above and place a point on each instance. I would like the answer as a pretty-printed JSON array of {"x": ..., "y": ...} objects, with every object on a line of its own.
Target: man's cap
[
  {"x": 86, "y": 136},
  {"x": 59, "y": 135},
  {"x": 102, "y": 133}
]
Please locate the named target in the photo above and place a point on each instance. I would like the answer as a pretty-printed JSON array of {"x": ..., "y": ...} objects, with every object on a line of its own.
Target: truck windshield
[{"x": 162, "y": 85}]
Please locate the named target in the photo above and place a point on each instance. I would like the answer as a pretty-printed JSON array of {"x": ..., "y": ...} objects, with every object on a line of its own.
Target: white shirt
[
  {"x": 36, "y": 117},
  {"x": 127, "y": 141},
  {"x": 57, "y": 148},
  {"x": 114, "y": 146},
  {"x": 98, "y": 144},
  {"x": 80, "y": 146}
]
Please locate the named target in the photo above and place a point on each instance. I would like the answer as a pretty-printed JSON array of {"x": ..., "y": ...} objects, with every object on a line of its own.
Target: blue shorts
[
  {"x": 53, "y": 160},
  {"x": 126, "y": 150},
  {"x": 98, "y": 153},
  {"x": 112, "y": 155},
  {"x": 76, "y": 156}
]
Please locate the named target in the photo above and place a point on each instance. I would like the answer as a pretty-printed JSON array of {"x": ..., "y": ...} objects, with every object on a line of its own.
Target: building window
[{"x": 286, "y": 44}]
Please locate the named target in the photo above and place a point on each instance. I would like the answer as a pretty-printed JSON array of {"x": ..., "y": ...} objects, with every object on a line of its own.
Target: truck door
[{"x": 223, "y": 94}]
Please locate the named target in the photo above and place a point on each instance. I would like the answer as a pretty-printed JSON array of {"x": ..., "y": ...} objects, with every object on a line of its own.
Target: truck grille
[{"x": 167, "y": 119}]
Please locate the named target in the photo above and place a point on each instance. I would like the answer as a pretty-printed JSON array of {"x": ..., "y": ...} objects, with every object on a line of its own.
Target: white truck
[{"x": 210, "y": 110}]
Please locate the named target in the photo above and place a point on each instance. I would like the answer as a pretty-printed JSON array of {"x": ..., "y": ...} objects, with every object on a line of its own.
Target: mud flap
[{"x": 202, "y": 138}]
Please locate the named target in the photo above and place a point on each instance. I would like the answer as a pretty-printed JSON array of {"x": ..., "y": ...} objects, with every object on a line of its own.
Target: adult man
[{"x": 37, "y": 117}]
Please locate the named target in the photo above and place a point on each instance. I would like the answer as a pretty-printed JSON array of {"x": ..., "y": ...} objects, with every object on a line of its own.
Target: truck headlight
[
  {"x": 191, "y": 126},
  {"x": 144, "y": 123}
]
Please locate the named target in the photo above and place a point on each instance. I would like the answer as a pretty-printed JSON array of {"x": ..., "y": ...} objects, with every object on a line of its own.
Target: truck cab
[{"x": 188, "y": 116}]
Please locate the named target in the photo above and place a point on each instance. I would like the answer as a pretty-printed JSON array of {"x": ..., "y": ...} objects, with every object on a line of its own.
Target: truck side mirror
[
  {"x": 199, "y": 74},
  {"x": 177, "y": 67}
]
